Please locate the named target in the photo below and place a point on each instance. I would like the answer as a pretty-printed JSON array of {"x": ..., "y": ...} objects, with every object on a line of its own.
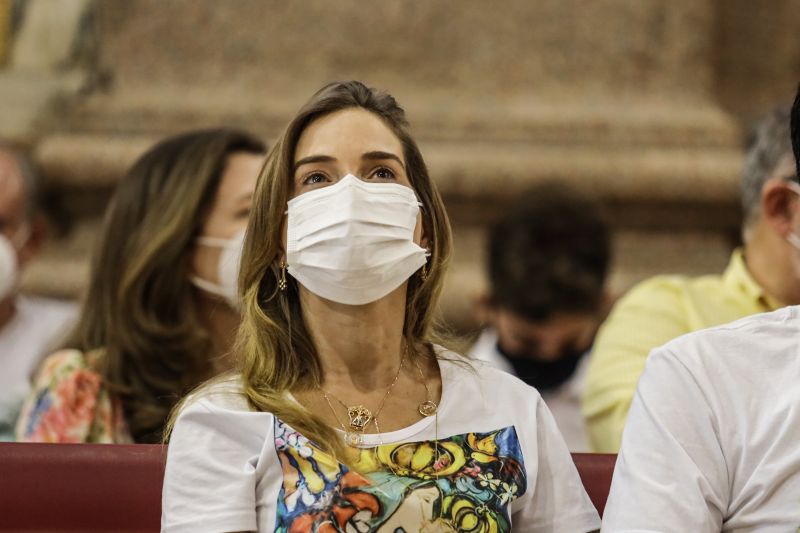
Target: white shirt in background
[
  {"x": 563, "y": 401},
  {"x": 503, "y": 463},
  {"x": 35, "y": 330},
  {"x": 712, "y": 440}
]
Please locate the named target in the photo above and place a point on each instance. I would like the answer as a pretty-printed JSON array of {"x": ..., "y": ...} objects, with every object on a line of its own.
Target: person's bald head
[
  {"x": 13, "y": 196},
  {"x": 19, "y": 220},
  {"x": 19, "y": 185}
]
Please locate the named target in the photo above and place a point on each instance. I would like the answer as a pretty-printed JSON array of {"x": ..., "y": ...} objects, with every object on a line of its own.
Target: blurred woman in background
[{"x": 161, "y": 310}]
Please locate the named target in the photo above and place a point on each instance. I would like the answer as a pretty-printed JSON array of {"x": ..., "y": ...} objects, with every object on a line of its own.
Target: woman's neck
[
  {"x": 360, "y": 347},
  {"x": 222, "y": 322},
  {"x": 361, "y": 350}
]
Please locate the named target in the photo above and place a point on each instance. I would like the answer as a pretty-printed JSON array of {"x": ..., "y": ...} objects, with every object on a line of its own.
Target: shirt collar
[{"x": 737, "y": 277}]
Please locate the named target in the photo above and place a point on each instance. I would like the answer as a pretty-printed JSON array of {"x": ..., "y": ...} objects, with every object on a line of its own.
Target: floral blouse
[{"x": 69, "y": 403}]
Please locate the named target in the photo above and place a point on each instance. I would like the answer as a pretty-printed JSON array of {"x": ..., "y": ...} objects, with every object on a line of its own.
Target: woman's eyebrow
[
  {"x": 313, "y": 159},
  {"x": 376, "y": 155}
]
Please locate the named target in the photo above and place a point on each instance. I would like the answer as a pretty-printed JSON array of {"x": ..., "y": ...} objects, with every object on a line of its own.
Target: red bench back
[
  {"x": 80, "y": 487},
  {"x": 101, "y": 487},
  {"x": 596, "y": 470}
]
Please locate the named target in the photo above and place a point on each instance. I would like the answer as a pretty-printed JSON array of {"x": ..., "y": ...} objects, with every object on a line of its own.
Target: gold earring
[
  {"x": 282, "y": 279},
  {"x": 423, "y": 274}
]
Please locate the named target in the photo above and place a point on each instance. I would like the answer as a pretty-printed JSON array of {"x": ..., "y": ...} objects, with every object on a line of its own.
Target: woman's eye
[
  {"x": 314, "y": 179},
  {"x": 384, "y": 174}
]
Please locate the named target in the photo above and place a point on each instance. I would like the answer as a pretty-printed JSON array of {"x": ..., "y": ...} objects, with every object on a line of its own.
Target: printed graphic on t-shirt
[{"x": 463, "y": 483}]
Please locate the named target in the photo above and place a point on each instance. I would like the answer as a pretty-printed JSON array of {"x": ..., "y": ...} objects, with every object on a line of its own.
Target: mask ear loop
[{"x": 424, "y": 270}]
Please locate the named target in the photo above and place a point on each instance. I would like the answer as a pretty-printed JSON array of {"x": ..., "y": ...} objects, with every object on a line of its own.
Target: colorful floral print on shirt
[
  {"x": 69, "y": 403},
  {"x": 467, "y": 486}
]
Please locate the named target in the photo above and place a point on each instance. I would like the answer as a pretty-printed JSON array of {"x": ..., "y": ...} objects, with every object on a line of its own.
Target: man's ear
[
  {"x": 779, "y": 206},
  {"x": 34, "y": 242}
]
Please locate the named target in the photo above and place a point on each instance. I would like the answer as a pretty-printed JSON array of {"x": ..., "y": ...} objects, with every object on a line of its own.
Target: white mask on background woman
[
  {"x": 9, "y": 263},
  {"x": 353, "y": 242},
  {"x": 227, "y": 268}
]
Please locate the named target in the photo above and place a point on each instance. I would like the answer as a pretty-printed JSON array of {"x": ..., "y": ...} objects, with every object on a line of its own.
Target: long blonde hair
[{"x": 274, "y": 347}]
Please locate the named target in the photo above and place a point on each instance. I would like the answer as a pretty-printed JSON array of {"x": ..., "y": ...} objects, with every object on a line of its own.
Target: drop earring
[
  {"x": 423, "y": 273},
  {"x": 282, "y": 279}
]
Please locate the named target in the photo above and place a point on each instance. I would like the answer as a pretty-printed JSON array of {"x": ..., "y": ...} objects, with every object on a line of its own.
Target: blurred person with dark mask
[
  {"x": 29, "y": 325},
  {"x": 548, "y": 259}
]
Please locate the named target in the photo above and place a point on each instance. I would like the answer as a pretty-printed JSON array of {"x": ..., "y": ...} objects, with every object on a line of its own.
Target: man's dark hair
[
  {"x": 549, "y": 253},
  {"x": 796, "y": 132}
]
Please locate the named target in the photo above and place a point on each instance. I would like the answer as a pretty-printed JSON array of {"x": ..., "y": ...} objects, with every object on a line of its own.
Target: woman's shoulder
[
  {"x": 62, "y": 404},
  {"x": 220, "y": 406},
  {"x": 224, "y": 393},
  {"x": 67, "y": 362},
  {"x": 70, "y": 373}
]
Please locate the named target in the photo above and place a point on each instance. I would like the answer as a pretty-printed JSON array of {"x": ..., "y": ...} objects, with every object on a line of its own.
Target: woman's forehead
[{"x": 347, "y": 133}]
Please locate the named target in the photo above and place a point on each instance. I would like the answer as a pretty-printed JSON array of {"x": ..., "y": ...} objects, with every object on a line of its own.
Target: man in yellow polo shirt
[{"x": 760, "y": 277}]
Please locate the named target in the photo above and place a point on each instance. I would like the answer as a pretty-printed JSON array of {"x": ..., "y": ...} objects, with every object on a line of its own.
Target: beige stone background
[{"x": 642, "y": 102}]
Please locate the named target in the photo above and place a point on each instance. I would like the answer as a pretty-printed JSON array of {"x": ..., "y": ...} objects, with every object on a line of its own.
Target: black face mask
[{"x": 544, "y": 375}]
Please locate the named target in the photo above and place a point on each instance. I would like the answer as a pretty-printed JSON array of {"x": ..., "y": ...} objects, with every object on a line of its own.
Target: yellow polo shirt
[{"x": 652, "y": 313}]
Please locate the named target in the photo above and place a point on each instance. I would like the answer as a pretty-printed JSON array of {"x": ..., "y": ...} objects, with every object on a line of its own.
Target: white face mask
[
  {"x": 9, "y": 264},
  {"x": 353, "y": 242},
  {"x": 227, "y": 268}
]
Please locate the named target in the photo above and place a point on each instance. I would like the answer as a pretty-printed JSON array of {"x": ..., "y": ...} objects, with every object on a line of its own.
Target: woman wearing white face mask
[
  {"x": 159, "y": 316},
  {"x": 343, "y": 416}
]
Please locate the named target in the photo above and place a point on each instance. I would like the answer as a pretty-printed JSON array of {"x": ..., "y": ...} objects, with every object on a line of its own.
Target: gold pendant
[
  {"x": 359, "y": 417},
  {"x": 428, "y": 408},
  {"x": 352, "y": 439}
]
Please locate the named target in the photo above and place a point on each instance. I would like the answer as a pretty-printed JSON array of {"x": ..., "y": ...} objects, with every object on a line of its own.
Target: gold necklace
[
  {"x": 351, "y": 439},
  {"x": 360, "y": 415},
  {"x": 428, "y": 407}
]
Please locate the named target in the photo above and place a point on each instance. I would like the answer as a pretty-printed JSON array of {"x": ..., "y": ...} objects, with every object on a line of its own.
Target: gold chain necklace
[
  {"x": 360, "y": 416},
  {"x": 428, "y": 407}
]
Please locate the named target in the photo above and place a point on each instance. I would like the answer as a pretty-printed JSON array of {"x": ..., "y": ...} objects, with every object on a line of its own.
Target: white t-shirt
[
  {"x": 36, "y": 328},
  {"x": 501, "y": 461},
  {"x": 712, "y": 441},
  {"x": 563, "y": 401}
]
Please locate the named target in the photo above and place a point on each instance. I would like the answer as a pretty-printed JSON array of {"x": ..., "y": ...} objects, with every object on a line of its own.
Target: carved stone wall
[{"x": 641, "y": 103}]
